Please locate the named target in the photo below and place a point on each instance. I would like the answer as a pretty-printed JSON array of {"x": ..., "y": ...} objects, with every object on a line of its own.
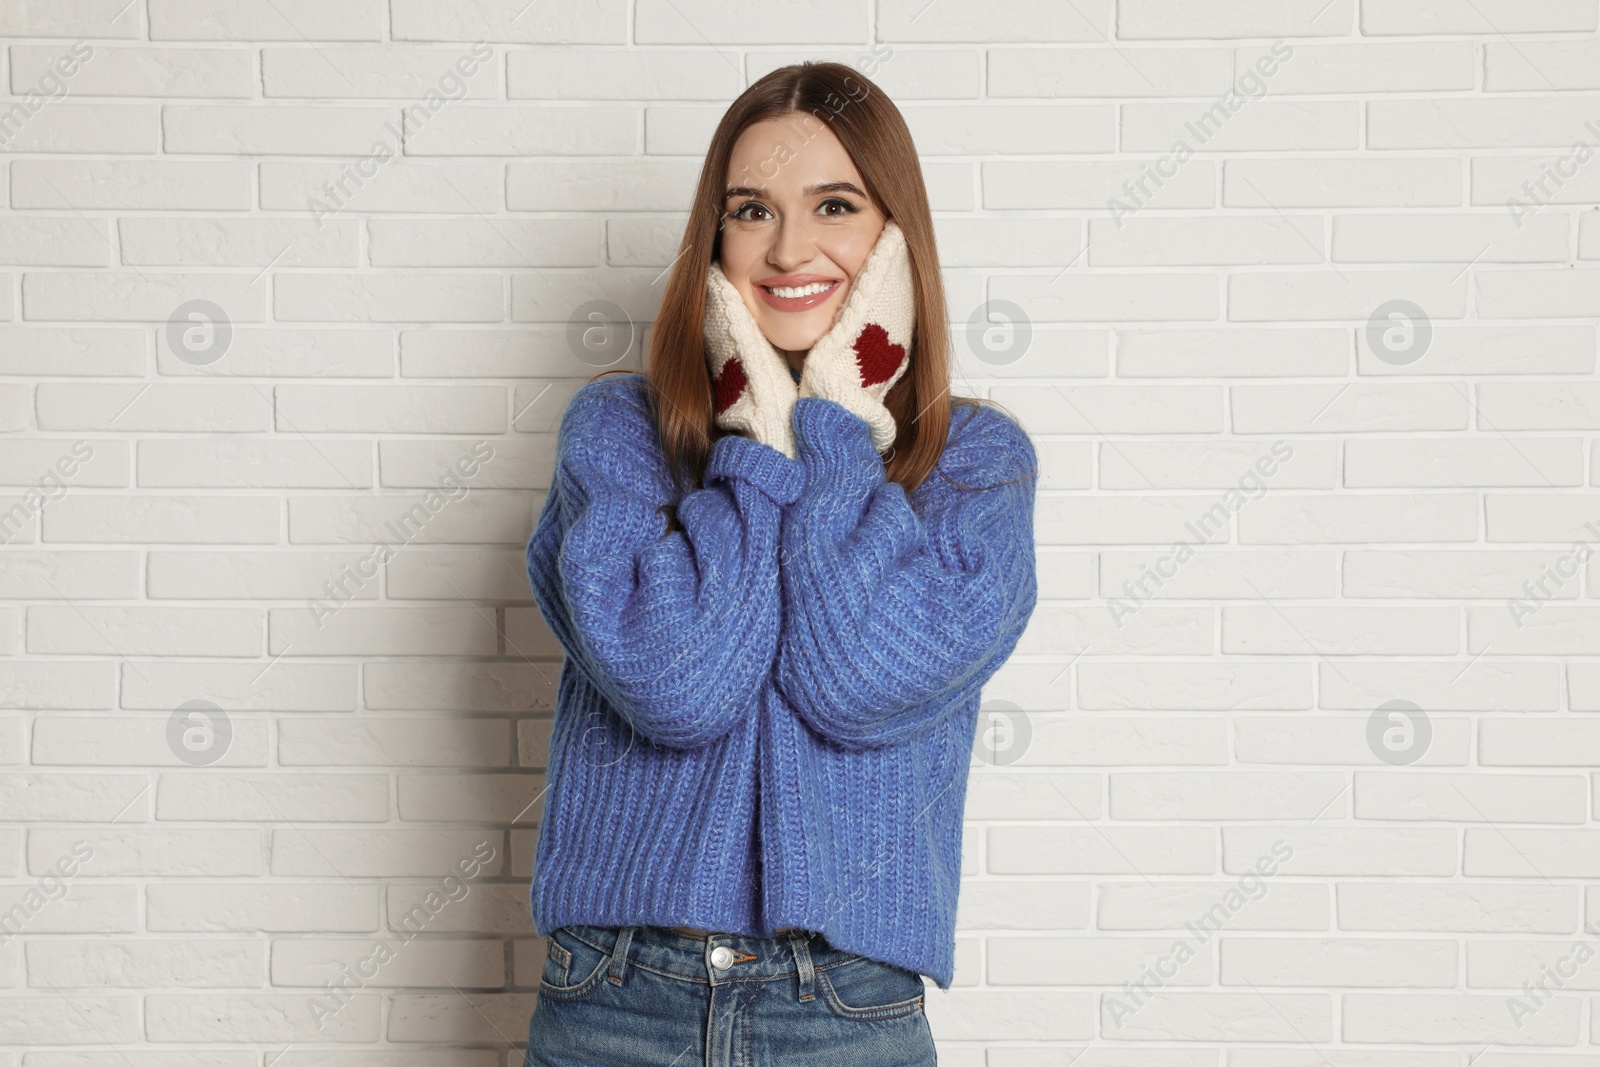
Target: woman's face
[{"x": 796, "y": 219}]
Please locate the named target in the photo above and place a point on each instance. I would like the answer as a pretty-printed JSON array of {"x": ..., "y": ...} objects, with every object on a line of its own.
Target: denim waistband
[{"x": 666, "y": 951}]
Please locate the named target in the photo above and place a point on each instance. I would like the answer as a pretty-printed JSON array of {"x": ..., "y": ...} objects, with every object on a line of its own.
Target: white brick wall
[{"x": 398, "y": 207}]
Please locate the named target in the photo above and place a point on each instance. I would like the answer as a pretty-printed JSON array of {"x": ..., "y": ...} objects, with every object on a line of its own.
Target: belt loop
[
  {"x": 802, "y": 959},
  {"x": 619, "y": 954}
]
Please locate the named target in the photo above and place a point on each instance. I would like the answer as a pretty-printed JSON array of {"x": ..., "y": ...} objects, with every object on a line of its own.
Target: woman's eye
[{"x": 847, "y": 208}]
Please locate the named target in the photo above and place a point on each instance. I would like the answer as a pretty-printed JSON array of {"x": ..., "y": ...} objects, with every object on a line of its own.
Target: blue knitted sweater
[{"x": 766, "y": 717}]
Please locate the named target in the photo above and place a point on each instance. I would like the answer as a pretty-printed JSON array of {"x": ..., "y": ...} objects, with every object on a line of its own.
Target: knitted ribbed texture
[{"x": 742, "y": 746}]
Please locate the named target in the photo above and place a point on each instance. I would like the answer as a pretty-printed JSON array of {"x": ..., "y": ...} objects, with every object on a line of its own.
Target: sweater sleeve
[
  {"x": 891, "y": 616},
  {"x": 677, "y": 630}
]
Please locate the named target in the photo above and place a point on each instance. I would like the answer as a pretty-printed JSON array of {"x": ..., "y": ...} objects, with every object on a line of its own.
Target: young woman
[{"x": 782, "y": 564}]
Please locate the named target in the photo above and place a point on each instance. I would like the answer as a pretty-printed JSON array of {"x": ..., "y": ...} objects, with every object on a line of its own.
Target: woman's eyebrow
[{"x": 814, "y": 189}]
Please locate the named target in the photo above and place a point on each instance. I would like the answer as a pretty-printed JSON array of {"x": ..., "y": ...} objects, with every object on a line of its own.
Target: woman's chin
[{"x": 791, "y": 337}]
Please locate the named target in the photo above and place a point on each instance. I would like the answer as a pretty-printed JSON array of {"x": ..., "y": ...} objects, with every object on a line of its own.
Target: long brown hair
[{"x": 874, "y": 133}]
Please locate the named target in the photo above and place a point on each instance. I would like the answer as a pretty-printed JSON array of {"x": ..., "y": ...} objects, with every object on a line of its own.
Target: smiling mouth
[{"x": 798, "y": 292}]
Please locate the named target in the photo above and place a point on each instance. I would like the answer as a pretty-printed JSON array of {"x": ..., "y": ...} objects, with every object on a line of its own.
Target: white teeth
[{"x": 791, "y": 293}]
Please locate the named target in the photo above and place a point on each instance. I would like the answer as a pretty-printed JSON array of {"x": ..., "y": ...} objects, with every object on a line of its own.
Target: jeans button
[{"x": 721, "y": 957}]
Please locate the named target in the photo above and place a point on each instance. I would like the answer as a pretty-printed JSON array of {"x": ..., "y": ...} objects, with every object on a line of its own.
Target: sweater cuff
[
  {"x": 826, "y": 427},
  {"x": 772, "y": 472}
]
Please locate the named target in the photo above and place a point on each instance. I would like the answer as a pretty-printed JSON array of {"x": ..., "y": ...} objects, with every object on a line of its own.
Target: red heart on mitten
[
  {"x": 730, "y": 384},
  {"x": 876, "y": 356}
]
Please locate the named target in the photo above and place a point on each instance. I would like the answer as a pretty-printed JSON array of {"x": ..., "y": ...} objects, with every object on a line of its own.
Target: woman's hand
[
  {"x": 752, "y": 390},
  {"x": 860, "y": 358}
]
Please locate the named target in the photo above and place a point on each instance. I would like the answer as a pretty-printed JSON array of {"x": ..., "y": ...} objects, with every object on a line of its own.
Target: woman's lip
[{"x": 801, "y": 303}]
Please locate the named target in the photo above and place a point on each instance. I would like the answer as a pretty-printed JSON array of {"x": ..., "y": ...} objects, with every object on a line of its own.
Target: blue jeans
[{"x": 646, "y": 996}]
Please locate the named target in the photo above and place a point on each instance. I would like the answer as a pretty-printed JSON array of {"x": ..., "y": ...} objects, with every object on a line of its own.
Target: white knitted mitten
[
  {"x": 752, "y": 389},
  {"x": 868, "y": 348}
]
